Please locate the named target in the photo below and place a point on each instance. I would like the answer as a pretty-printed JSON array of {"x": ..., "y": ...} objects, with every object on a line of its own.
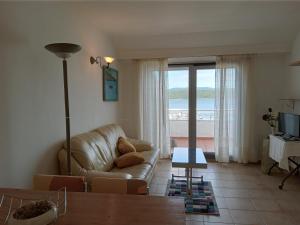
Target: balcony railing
[
  {"x": 179, "y": 123},
  {"x": 183, "y": 114},
  {"x": 205, "y": 128}
]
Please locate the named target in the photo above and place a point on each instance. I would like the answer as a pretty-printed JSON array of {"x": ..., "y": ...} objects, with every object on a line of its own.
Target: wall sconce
[{"x": 99, "y": 60}]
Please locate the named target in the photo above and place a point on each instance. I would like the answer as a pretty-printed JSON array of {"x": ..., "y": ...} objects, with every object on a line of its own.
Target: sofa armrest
[
  {"x": 137, "y": 187},
  {"x": 140, "y": 145},
  {"x": 121, "y": 186},
  {"x": 91, "y": 174}
]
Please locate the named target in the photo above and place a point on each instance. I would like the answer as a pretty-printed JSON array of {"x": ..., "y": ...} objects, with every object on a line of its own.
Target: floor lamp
[{"x": 64, "y": 51}]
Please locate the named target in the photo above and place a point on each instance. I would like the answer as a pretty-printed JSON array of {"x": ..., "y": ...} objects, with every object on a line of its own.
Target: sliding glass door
[
  {"x": 178, "y": 91},
  {"x": 191, "y": 106}
]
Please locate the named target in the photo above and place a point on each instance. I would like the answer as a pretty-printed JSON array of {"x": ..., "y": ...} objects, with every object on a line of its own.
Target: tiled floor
[{"x": 244, "y": 195}]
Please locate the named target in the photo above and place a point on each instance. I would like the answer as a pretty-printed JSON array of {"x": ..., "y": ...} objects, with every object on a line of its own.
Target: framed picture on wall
[{"x": 110, "y": 84}]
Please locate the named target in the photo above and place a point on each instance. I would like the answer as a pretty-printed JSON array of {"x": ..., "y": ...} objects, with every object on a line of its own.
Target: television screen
[{"x": 289, "y": 124}]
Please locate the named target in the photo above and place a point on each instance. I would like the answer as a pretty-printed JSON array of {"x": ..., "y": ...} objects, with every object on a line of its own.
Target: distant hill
[{"x": 182, "y": 93}]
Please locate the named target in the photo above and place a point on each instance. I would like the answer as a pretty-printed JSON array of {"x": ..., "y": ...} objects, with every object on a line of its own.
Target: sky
[{"x": 179, "y": 78}]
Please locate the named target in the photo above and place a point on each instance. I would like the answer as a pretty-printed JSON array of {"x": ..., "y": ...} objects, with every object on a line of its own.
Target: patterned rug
[{"x": 202, "y": 201}]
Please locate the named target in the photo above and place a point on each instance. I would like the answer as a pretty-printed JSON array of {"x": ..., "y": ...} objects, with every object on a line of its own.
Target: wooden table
[
  {"x": 114, "y": 209},
  {"x": 188, "y": 158}
]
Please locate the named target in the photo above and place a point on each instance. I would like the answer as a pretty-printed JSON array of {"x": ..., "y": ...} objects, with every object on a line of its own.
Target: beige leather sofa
[{"x": 94, "y": 152}]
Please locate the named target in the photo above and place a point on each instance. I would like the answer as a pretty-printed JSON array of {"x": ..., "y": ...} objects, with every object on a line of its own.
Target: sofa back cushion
[
  {"x": 91, "y": 151},
  {"x": 111, "y": 133}
]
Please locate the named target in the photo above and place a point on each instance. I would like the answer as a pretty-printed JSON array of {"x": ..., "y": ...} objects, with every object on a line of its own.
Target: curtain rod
[{"x": 192, "y": 64}]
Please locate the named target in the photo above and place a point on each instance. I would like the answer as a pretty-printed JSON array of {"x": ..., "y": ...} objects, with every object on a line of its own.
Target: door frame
[{"x": 192, "y": 124}]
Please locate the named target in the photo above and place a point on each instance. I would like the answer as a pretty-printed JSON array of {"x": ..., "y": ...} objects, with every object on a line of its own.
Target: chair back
[
  {"x": 120, "y": 186},
  {"x": 56, "y": 182}
]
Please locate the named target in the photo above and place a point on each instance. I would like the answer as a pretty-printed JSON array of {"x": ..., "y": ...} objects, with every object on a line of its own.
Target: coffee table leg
[
  {"x": 187, "y": 174},
  {"x": 191, "y": 181}
]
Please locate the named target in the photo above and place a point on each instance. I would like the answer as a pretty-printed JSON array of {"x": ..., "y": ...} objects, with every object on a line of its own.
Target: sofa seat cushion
[
  {"x": 140, "y": 171},
  {"x": 150, "y": 156},
  {"x": 91, "y": 152}
]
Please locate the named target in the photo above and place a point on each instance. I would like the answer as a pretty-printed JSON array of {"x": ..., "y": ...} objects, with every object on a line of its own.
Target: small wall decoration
[{"x": 110, "y": 84}]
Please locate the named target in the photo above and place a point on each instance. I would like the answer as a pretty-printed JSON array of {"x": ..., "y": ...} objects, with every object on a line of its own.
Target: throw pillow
[
  {"x": 129, "y": 159},
  {"x": 124, "y": 146}
]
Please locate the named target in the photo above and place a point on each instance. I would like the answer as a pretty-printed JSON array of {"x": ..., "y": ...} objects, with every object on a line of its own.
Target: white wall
[
  {"x": 129, "y": 97},
  {"x": 293, "y": 76},
  {"x": 32, "y": 121},
  {"x": 269, "y": 83}
]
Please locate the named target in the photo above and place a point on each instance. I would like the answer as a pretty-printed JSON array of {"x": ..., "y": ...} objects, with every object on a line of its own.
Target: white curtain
[
  {"x": 234, "y": 117},
  {"x": 153, "y": 102}
]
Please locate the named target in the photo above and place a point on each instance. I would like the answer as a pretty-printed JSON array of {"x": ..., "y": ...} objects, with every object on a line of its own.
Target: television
[{"x": 289, "y": 124}]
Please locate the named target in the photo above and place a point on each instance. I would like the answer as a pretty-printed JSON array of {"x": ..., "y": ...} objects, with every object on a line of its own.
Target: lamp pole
[
  {"x": 64, "y": 51},
  {"x": 67, "y": 113}
]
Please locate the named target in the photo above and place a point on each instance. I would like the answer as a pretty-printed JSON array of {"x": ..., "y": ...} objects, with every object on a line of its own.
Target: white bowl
[{"x": 43, "y": 219}]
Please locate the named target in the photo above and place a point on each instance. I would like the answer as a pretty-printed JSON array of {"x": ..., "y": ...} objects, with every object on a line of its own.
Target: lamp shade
[
  {"x": 63, "y": 50},
  {"x": 108, "y": 59}
]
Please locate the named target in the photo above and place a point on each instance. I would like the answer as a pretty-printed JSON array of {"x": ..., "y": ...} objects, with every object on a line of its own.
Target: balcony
[{"x": 205, "y": 128}]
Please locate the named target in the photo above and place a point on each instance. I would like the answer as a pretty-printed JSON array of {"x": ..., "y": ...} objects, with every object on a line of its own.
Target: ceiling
[
  {"x": 169, "y": 18},
  {"x": 168, "y": 27}
]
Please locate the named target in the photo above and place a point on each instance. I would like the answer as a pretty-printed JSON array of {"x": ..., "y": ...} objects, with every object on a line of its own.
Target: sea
[{"x": 202, "y": 103}]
